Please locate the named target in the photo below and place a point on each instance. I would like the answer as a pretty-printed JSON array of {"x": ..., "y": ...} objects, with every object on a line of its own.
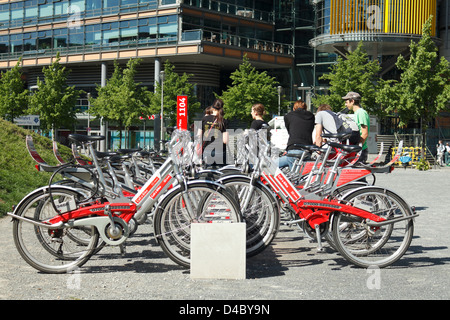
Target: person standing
[
  {"x": 258, "y": 112},
  {"x": 440, "y": 153},
  {"x": 214, "y": 135},
  {"x": 300, "y": 125},
  {"x": 447, "y": 154},
  {"x": 353, "y": 102}
]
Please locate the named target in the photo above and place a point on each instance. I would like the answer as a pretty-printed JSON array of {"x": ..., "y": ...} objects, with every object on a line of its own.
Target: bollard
[{"x": 218, "y": 250}]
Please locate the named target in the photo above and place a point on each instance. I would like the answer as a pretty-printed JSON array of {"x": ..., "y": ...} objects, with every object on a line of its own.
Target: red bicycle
[
  {"x": 56, "y": 228},
  {"x": 370, "y": 225}
]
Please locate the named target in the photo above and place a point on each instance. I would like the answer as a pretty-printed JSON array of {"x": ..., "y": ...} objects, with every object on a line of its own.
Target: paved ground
[{"x": 289, "y": 269}]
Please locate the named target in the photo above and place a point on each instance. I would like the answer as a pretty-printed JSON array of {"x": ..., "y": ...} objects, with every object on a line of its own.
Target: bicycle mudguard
[
  {"x": 191, "y": 183},
  {"x": 327, "y": 207},
  {"x": 256, "y": 181},
  {"x": 385, "y": 190},
  {"x": 43, "y": 190}
]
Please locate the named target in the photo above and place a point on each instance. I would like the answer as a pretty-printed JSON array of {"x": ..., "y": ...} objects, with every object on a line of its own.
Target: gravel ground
[{"x": 289, "y": 269}]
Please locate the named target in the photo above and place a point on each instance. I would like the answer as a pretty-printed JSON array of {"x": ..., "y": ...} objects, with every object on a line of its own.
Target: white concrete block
[{"x": 218, "y": 251}]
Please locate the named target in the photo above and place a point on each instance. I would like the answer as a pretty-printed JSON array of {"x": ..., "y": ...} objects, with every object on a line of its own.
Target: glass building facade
[
  {"x": 205, "y": 38},
  {"x": 294, "y": 40},
  {"x": 385, "y": 26}
]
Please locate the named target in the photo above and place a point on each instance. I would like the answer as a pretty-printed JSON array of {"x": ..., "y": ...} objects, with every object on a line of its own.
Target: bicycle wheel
[
  {"x": 51, "y": 250},
  {"x": 340, "y": 193},
  {"x": 365, "y": 245},
  {"x": 173, "y": 218},
  {"x": 261, "y": 215}
]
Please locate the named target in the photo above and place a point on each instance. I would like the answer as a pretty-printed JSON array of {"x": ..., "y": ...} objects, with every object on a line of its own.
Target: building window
[
  {"x": 44, "y": 40},
  {"x": 16, "y": 11},
  {"x": 45, "y": 10},
  {"x": 60, "y": 38},
  {"x": 76, "y": 37},
  {"x": 31, "y": 9},
  {"x": 16, "y": 43},
  {"x": 29, "y": 41},
  {"x": 111, "y": 3},
  {"x": 93, "y": 34},
  {"x": 4, "y": 43},
  {"x": 4, "y": 14},
  {"x": 110, "y": 33}
]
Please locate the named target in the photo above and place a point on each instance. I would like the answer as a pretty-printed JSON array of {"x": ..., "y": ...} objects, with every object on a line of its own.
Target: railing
[
  {"x": 233, "y": 9},
  {"x": 197, "y": 35},
  {"x": 85, "y": 13},
  {"x": 119, "y": 45},
  {"x": 237, "y": 41}
]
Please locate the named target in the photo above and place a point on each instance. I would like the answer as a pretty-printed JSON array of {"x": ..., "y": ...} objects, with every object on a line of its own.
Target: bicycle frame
[
  {"x": 312, "y": 202},
  {"x": 118, "y": 210}
]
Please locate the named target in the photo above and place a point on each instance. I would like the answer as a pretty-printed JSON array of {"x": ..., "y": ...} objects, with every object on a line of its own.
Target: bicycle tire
[
  {"x": 262, "y": 216},
  {"x": 366, "y": 246},
  {"x": 51, "y": 250},
  {"x": 172, "y": 220},
  {"x": 339, "y": 193}
]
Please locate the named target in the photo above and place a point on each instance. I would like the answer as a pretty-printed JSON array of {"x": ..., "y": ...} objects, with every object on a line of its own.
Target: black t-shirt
[
  {"x": 257, "y": 124},
  {"x": 211, "y": 129},
  {"x": 300, "y": 125}
]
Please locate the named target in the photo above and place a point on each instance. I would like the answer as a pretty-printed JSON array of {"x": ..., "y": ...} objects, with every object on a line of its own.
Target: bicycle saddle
[
  {"x": 118, "y": 157},
  {"x": 310, "y": 148},
  {"x": 126, "y": 151},
  {"x": 345, "y": 147},
  {"x": 339, "y": 136},
  {"x": 84, "y": 138},
  {"x": 102, "y": 155}
]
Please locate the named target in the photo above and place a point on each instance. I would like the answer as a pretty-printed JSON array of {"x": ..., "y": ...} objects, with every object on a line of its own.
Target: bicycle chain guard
[{"x": 103, "y": 225}]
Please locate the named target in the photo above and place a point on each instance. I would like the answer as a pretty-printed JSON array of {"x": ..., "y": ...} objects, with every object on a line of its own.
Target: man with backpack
[
  {"x": 353, "y": 102},
  {"x": 326, "y": 121}
]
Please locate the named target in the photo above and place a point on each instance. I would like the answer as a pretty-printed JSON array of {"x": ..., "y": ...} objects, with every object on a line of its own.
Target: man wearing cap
[{"x": 353, "y": 102}]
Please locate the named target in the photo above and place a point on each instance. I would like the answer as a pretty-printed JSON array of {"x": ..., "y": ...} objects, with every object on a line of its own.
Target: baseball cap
[{"x": 352, "y": 95}]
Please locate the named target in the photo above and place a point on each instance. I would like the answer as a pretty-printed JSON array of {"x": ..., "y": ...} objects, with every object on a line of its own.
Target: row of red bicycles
[{"x": 89, "y": 205}]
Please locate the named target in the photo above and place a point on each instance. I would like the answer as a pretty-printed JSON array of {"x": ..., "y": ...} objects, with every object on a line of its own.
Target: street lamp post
[
  {"x": 280, "y": 88},
  {"x": 89, "y": 114},
  {"x": 161, "y": 142}
]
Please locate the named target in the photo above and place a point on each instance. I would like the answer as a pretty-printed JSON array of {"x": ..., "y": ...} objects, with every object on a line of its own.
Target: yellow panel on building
[{"x": 381, "y": 16}]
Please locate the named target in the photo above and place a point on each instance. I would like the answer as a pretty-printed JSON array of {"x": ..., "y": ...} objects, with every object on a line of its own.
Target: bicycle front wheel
[
  {"x": 261, "y": 213},
  {"x": 51, "y": 250},
  {"x": 367, "y": 246},
  {"x": 202, "y": 202}
]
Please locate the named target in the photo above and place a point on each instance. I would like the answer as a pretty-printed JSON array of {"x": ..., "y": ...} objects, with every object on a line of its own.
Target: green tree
[
  {"x": 54, "y": 100},
  {"x": 174, "y": 85},
  {"x": 248, "y": 87},
  {"x": 424, "y": 88},
  {"x": 354, "y": 73},
  {"x": 13, "y": 95},
  {"x": 122, "y": 100}
]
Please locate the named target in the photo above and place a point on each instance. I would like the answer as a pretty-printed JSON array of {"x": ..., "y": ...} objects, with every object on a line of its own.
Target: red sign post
[{"x": 182, "y": 112}]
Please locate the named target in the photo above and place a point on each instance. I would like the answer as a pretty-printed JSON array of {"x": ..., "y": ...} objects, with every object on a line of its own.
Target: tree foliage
[
  {"x": 424, "y": 87},
  {"x": 13, "y": 95},
  {"x": 248, "y": 87},
  {"x": 354, "y": 73},
  {"x": 121, "y": 100},
  {"x": 54, "y": 100},
  {"x": 173, "y": 85}
]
